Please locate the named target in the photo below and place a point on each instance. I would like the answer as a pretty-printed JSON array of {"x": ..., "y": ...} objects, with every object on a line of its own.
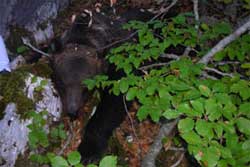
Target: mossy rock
[{"x": 12, "y": 85}]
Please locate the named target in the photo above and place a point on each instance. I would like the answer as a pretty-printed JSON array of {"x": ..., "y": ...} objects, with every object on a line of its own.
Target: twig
[
  {"x": 206, "y": 75},
  {"x": 69, "y": 139},
  {"x": 165, "y": 130},
  {"x": 170, "y": 56},
  {"x": 221, "y": 63},
  {"x": 177, "y": 149},
  {"x": 218, "y": 72},
  {"x": 132, "y": 125},
  {"x": 164, "y": 10},
  {"x": 27, "y": 43},
  {"x": 153, "y": 65},
  {"x": 179, "y": 161},
  {"x": 196, "y": 14},
  {"x": 224, "y": 42}
]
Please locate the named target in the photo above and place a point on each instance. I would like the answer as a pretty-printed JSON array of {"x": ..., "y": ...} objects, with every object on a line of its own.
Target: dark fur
[{"x": 73, "y": 66}]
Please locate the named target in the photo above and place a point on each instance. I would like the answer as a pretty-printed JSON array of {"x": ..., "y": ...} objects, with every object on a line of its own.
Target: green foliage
[
  {"x": 58, "y": 132},
  {"x": 22, "y": 49},
  {"x": 237, "y": 50},
  {"x": 38, "y": 138},
  {"x": 74, "y": 159},
  {"x": 37, "y": 135},
  {"x": 214, "y": 114}
]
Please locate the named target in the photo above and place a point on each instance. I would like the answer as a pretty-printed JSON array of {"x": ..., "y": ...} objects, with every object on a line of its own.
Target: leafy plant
[
  {"x": 37, "y": 135},
  {"x": 214, "y": 113},
  {"x": 58, "y": 132}
]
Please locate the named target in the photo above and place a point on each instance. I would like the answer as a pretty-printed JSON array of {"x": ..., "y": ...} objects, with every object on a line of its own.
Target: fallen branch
[
  {"x": 27, "y": 43},
  {"x": 224, "y": 42},
  {"x": 171, "y": 56},
  {"x": 164, "y": 10},
  {"x": 153, "y": 65},
  {"x": 221, "y": 63},
  {"x": 218, "y": 72},
  {"x": 165, "y": 130},
  {"x": 206, "y": 75}
]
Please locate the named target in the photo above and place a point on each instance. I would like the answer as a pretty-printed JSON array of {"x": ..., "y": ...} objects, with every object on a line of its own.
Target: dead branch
[
  {"x": 153, "y": 65},
  {"x": 26, "y": 42},
  {"x": 170, "y": 56},
  {"x": 218, "y": 72},
  {"x": 224, "y": 42},
  {"x": 165, "y": 130}
]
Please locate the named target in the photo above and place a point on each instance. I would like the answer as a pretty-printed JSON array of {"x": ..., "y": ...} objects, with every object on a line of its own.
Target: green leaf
[
  {"x": 179, "y": 86},
  {"x": 192, "y": 138},
  {"x": 211, "y": 156},
  {"x": 212, "y": 109},
  {"x": 225, "y": 152},
  {"x": 92, "y": 165},
  {"x": 59, "y": 162},
  {"x": 163, "y": 91},
  {"x": 180, "y": 19},
  {"x": 131, "y": 93},
  {"x": 198, "y": 106},
  {"x": 243, "y": 125},
  {"x": 151, "y": 89},
  {"x": 191, "y": 94},
  {"x": 81, "y": 165},
  {"x": 232, "y": 142},
  {"x": 205, "y": 91},
  {"x": 245, "y": 109},
  {"x": 143, "y": 112},
  {"x": 171, "y": 114},
  {"x": 186, "y": 125},
  {"x": 246, "y": 145},
  {"x": 220, "y": 88},
  {"x": 123, "y": 85},
  {"x": 108, "y": 161},
  {"x": 155, "y": 114},
  {"x": 218, "y": 129},
  {"x": 204, "y": 129},
  {"x": 43, "y": 82},
  {"x": 74, "y": 158},
  {"x": 245, "y": 65},
  {"x": 90, "y": 83},
  {"x": 242, "y": 88},
  {"x": 22, "y": 49}
]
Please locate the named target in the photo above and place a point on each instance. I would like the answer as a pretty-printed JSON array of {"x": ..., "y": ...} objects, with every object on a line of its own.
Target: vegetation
[{"x": 213, "y": 114}]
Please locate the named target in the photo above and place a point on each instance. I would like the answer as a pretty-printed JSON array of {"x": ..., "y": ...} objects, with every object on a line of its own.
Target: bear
[{"x": 81, "y": 56}]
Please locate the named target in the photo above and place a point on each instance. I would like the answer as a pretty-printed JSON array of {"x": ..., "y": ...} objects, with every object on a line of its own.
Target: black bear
[{"x": 82, "y": 57}]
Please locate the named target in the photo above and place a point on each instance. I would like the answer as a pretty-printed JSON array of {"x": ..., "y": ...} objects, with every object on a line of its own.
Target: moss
[
  {"x": 12, "y": 84},
  {"x": 41, "y": 69},
  {"x": 11, "y": 88}
]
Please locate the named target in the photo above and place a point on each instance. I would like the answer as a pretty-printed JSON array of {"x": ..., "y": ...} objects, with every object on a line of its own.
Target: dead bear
[{"x": 79, "y": 58}]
